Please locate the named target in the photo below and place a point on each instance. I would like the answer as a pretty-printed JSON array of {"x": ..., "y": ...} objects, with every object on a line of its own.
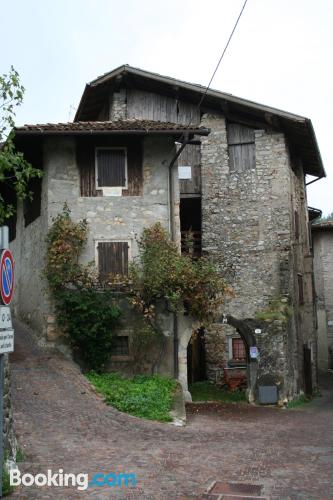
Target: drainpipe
[{"x": 173, "y": 237}]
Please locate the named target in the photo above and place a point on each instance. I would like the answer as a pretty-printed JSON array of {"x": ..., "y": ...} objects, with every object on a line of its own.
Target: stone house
[
  {"x": 322, "y": 241},
  {"x": 238, "y": 185}
]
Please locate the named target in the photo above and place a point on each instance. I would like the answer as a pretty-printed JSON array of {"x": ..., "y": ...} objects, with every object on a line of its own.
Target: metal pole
[
  {"x": 4, "y": 243},
  {"x": 1, "y": 420}
]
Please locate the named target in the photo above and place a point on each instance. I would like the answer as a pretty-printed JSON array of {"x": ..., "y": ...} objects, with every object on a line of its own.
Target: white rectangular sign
[
  {"x": 6, "y": 341},
  {"x": 5, "y": 317},
  {"x": 184, "y": 172}
]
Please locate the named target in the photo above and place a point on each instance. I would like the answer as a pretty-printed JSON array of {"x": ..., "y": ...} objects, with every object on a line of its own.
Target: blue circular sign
[{"x": 6, "y": 277}]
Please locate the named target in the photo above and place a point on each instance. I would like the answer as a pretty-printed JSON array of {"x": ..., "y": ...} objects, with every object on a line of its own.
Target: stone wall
[
  {"x": 248, "y": 229},
  {"x": 323, "y": 272},
  {"x": 31, "y": 301},
  {"x": 115, "y": 218}
]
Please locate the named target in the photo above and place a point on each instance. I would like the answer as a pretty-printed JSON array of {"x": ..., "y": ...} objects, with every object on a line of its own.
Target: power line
[
  {"x": 219, "y": 61},
  {"x": 222, "y": 55}
]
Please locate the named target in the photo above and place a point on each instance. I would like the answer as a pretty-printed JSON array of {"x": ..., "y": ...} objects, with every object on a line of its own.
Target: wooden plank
[
  {"x": 143, "y": 105},
  {"x": 188, "y": 113},
  {"x": 239, "y": 134},
  {"x": 191, "y": 156},
  {"x": 241, "y": 142}
]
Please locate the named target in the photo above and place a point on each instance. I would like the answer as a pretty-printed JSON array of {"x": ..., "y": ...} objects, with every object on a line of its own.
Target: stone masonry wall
[
  {"x": 118, "y": 105},
  {"x": 247, "y": 228},
  {"x": 114, "y": 218},
  {"x": 30, "y": 301},
  {"x": 323, "y": 268}
]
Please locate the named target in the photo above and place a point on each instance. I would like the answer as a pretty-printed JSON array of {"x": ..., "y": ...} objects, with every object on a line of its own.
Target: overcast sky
[{"x": 281, "y": 54}]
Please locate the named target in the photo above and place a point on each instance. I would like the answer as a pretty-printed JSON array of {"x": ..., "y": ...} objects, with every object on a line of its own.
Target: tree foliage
[
  {"x": 162, "y": 273},
  {"x": 326, "y": 218},
  {"x": 15, "y": 171},
  {"x": 87, "y": 315}
]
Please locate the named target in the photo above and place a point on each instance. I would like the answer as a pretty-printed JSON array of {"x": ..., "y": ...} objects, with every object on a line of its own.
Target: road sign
[
  {"x": 6, "y": 341},
  {"x": 254, "y": 352},
  {"x": 6, "y": 277},
  {"x": 5, "y": 318}
]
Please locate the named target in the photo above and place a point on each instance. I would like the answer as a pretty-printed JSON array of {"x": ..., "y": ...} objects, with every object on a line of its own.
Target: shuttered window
[
  {"x": 112, "y": 258},
  {"x": 111, "y": 167},
  {"x": 241, "y": 146},
  {"x": 238, "y": 350}
]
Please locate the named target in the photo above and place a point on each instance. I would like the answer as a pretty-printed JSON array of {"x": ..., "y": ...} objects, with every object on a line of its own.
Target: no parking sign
[{"x": 6, "y": 277}]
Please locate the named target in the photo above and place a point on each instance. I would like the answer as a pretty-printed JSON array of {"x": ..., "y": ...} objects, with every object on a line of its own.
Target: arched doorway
[
  {"x": 196, "y": 359},
  {"x": 245, "y": 328}
]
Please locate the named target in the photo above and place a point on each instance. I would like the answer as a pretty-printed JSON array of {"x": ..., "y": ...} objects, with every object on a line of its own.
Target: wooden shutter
[
  {"x": 112, "y": 258},
  {"x": 111, "y": 169},
  {"x": 241, "y": 147},
  {"x": 191, "y": 156}
]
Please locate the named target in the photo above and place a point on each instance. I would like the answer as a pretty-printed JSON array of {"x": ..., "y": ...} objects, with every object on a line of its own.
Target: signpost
[
  {"x": 6, "y": 330},
  {"x": 6, "y": 276}
]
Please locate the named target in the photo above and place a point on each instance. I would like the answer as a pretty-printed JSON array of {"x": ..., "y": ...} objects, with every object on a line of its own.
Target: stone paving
[{"x": 62, "y": 423}]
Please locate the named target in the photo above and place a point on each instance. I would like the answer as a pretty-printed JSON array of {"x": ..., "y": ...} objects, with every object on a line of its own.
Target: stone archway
[
  {"x": 245, "y": 329},
  {"x": 186, "y": 326}
]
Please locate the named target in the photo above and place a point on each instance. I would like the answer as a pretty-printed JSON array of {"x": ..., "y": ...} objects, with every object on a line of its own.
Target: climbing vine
[
  {"x": 162, "y": 273},
  {"x": 278, "y": 309},
  {"x": 87, "y": 315}
]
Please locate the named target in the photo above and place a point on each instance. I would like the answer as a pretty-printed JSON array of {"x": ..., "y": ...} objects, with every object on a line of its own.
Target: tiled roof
[
  {"x": 144, "y": 126},
  {"x": 326, "y": 225}
]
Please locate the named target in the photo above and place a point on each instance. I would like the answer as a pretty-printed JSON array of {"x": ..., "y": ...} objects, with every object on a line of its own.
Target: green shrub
[
  {"x": 299, "y": 401},
  {"x": 142, "y": 396},
  {"x": 88, "y": 317},
  {"x": 6, "y": 487},
  {"x": 86, "y": 314},
  {"x": 206, "y": 391}
]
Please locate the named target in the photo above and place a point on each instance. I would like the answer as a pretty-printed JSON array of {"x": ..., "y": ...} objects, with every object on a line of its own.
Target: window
[
  {"x": 120, "y": 346},
  {"x": 300, "y": 289},
  {"x": 238, "y": 350},
  {"x": 112, "y": 258},
  {"x": 111, "y": 167},
  {"x": 296, "y": 219},
  {"x": 241, "y": 145}
]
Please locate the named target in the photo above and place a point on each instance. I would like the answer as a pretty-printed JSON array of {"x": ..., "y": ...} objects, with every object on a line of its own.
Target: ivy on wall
[
  {"x": 85, "y": 313},
  {"x": 162, "y": 273}
]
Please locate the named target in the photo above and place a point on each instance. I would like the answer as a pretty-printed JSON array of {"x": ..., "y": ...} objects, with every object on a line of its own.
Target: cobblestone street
[{"x": 61, "y": 423}]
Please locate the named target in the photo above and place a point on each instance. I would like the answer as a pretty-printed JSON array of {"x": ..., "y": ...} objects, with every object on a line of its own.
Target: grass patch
[
  {"x": 299, "y": 402},
  {"x": 20, "y": 455},
  {"x": 141, "y": 396},
  {"x": 7, "y": 489},
  {"x": 206, "y": 391}
]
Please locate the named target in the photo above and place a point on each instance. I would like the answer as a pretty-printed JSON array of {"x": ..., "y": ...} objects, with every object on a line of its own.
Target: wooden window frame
[
  {"x": 115, "y": 240},
  {"x": 106, "y": 148},
  {"x": 230, "y": 350}
]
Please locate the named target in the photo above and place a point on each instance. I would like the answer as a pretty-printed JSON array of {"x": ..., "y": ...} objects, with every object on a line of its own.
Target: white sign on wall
[
  {"x": 184, "y": 172},
  {"x": 6, "y": 341},
  {"x": 5, "y": 318}
]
